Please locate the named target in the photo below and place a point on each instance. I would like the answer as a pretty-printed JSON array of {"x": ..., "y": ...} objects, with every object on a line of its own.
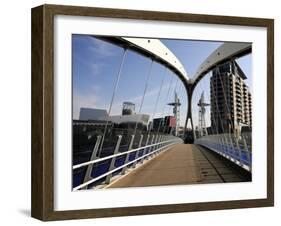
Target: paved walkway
[{"x": 182, "y": 164}]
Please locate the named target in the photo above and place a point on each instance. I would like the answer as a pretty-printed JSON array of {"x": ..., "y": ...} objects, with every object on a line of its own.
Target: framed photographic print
[{"x": 141, "y": 112}]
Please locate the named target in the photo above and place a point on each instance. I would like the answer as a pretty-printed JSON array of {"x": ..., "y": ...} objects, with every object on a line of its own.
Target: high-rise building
[{"x": 231, "y": 101}]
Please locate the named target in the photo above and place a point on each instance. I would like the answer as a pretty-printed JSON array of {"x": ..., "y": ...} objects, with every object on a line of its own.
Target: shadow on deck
[{"x": 183, "y": 164}]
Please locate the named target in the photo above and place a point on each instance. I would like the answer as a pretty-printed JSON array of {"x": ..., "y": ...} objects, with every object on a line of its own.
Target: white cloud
[
  {"x": 149, "y": 94},
  {"x": 96, "y": 68},
  {"x": 94, "y": 100},
  {"x": 101, "y": 48},
  {"x": 82, "y": 101},
  {"x": 89, "y": 99}
]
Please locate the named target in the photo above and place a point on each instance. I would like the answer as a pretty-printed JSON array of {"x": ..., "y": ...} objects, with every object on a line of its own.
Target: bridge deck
[{"x": 183, "y": 164}]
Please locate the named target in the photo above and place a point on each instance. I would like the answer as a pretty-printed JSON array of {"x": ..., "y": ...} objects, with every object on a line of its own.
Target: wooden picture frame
[{"x": 43, "y": 107}]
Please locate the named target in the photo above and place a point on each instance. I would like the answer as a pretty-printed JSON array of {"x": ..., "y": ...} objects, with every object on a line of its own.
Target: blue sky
[{"x": 95, "y": 69}]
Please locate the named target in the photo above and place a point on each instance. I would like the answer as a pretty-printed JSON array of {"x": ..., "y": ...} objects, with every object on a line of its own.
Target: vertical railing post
[
  {"x": 150, "y": 148},
  {"x": 248, "y": 153},
  {"x": 166, "y": 139},
  {"x": 155, "y": 142},
  {"x": 137, "y": 152},
  {"x": 146, "y": 143},
  {"x": 93, "y": 157},
  {"x": 160, "y": 145},
  {"x": 128, "y": 155},
  {"x": 112, "y": 163},
  {"x": 229, "y": 145},
  {"x": 157, "y": 146},
  {"x": 226, "y": 148},
  {"x": 239, "y": 150}
]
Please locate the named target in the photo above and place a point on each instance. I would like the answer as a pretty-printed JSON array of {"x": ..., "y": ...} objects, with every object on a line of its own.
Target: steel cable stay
[
  {"x": 158, "y": 138},
  {"x": 201, "y": 87},
  {"x": 225, "y": 140},
  {"x": 113, "y": 95},
  {"x": 152, "y": 140},
  {"x": 229, "y": 114},
  {"x": 176, "y": 96},
  {"x": 184, "y": 96},
  {"x": 181, "y": 96},
  {"x": 165, "y": 104},
  {"x": 232, "y": 125},
  {"x": 130, "y": 145},
  {"x": 140, "y": 109},
  {"x": 154, "y": 136},
  {"x": 220, "y": 139},
  {"x": 158, "y": 95},
  {"x": 196, "y": 96},
  {"x": 215, "y": 123},
  {"x": 100, "y": 139},
  {"x": 163, "y": 116},
  {"x": 206, "y": 138},
  {"x": 207, "y": 87},
  {"x": 144, "y": 92},
  {"x": 219, "y": 113},
  {"x": 222, "y": 126},
  {"x": 155, "y": 146}
]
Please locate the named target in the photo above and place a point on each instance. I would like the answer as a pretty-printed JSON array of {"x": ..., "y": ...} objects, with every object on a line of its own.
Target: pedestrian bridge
[
  {"x": 145, "y": 157},
  {"x": 166, "y": 160}
]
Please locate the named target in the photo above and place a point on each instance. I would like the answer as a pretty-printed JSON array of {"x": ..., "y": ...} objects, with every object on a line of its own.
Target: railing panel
[
  {"x": 104, "y": 168},
  {"x": 236, "y": 149}
]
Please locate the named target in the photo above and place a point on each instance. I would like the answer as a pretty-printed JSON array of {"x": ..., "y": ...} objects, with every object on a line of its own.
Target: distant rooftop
[{"x": 93, "y": 114}]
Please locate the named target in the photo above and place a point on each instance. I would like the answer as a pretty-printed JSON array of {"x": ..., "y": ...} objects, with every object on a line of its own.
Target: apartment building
[{"x": 231, "y": 101}]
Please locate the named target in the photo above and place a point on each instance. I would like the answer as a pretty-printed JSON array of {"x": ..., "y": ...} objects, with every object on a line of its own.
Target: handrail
[
  {"x": 126, "y": 164},
  {"x": 118, "y": 154},
  {"x": 240, "y": 153}
]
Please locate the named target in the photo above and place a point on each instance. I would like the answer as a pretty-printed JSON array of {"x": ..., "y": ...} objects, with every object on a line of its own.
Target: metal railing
[
  {"x": 129, "y": 158},
  {"x": 236, "y": 149}
]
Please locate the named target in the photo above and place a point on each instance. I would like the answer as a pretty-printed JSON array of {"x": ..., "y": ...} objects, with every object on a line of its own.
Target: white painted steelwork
[
  {"x": 237, "y": 150},
  {"x": 159, "y": 147},
  {"x": 223, "y": 52},
  {"x": 122, "y": 153},
  {"x": 156, "y": 48}
]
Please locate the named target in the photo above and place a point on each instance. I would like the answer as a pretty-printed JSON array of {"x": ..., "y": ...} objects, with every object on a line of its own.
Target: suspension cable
[
  {"x": 114, "y": 93},
  {"x": 164, "y": 107},
  {"x": 219, "y": 113},
  {"x": 229, "y": 113},
  {"x": 180, "y": 96},
  {"x": 158, "y": 96},
  {"x": 165, "y": 125},
  {"x": 144, "y": 92}
]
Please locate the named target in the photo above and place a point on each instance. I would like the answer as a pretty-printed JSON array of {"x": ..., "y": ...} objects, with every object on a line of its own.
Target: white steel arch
[
  {"x": 157, "y": 49},
  {"x": 224, "y": 52}
]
